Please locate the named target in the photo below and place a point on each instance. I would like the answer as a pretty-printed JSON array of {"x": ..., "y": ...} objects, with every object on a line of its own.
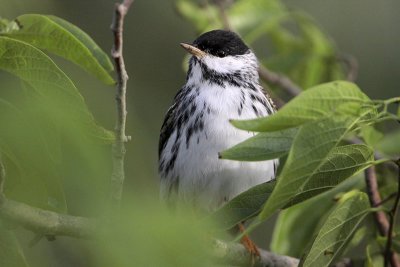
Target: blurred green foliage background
[{"x": 366, "y": 29}]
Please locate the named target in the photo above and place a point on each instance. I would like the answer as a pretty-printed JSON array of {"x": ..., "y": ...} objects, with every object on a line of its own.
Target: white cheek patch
[{"x": 230, "y": 64}]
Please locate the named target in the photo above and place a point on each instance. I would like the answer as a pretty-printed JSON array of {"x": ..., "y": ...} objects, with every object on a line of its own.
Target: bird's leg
[{"x": 249, "y": 244}]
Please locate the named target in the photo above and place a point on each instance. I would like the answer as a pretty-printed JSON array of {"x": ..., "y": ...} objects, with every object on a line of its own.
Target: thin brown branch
[
  {"x": 392, "y": 215},
  {"x": 388, "y": 198},
  {"x": 279, "y": 80},
  {"x": 118, "y": 154},
  {"x": 380, "y": 217},
  {"x": 237, "y": 255}
]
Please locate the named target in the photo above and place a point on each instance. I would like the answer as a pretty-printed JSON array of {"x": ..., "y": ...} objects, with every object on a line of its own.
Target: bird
[{"x": 222, "y": 84}]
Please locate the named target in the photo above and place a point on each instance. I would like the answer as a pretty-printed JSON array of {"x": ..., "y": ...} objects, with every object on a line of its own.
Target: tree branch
[
  {"x": 237, "y": 255},
  {"x": 279, "y": 80},
  {"x": 46, "y": 222},
  {"x": 118, "y": 154},
  {"x": 380, "y": 217}
]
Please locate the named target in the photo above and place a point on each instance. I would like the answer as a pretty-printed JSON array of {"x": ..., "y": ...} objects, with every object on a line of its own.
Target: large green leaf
[
  {"x": 263, "y": 146},
  {"x": 11, "y": 254},
  {"x": 51, "y": 85},
  {"x": 312, "y": 161},
  {"x": 311, "y": 104},
  {"x": 66, "y": 40},
  {"x": 243, "y": 206},
  {"x": 31, "y": 174},
  {"x": 341, "y": 163},
  {"x": 287, "y": 239},
  {"x": 337, "y": 230}
]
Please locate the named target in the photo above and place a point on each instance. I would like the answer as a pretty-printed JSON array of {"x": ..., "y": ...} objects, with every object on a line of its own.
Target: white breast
[{"x": 205, "y": 180}]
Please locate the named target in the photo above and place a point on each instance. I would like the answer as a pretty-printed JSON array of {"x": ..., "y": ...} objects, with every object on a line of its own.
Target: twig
[
  {"x": 386, "y": 199},
  {"x": 279, "y": 80},
  {"x": 380, "y": 217},
  {"x": 118, "y": 154},
  {"x": 236, "y": 254},
  {"x": 392, "y": 216}
]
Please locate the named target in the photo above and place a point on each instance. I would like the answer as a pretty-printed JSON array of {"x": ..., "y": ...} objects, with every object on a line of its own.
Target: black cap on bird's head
[{"x": 219, "y": 43}]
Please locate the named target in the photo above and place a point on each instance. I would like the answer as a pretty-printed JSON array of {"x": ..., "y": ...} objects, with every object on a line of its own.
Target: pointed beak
[{"x": 193, "y": 50}]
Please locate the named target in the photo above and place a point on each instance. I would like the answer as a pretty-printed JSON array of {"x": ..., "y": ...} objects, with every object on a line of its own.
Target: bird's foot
[{"x": 250, "y": 246}]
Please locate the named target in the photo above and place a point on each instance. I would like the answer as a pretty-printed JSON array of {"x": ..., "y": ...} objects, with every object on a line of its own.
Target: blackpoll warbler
[{"x": 222, "y": 84}]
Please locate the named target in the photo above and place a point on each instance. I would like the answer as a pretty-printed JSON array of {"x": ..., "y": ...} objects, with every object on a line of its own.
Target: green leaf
[
  {"x": 341, "y": 163},
  {"x": 263, "y": 146},
  {"x": 28, "y": 162},
  {"x": 390, "y": 145},
  {"x": 337, "y": 230},
  {"x": 11, "y": 254},
  {"x": 314, "y": 163},
  {"x": 255, "y": 18},
  {"x": 287, "y": 239},
  {"x": 244, "y": 206},
  {"x": 66, "y": 40},
  {"x": 205, "y": 17},
  {"x": 312, "y": 104},
  {"x": 370, "y": 135},
  {"x": 51, "y": 85}
]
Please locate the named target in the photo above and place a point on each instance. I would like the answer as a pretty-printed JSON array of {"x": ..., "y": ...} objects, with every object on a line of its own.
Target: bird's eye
[{"x": 220, "y": 53}]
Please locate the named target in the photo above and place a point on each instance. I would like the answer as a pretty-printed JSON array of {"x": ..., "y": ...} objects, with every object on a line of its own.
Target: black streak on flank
[
  {"x": 255, "y": 109},
  {"x": 242, "y": 100},
  {"x": 189, "y": 133}
]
